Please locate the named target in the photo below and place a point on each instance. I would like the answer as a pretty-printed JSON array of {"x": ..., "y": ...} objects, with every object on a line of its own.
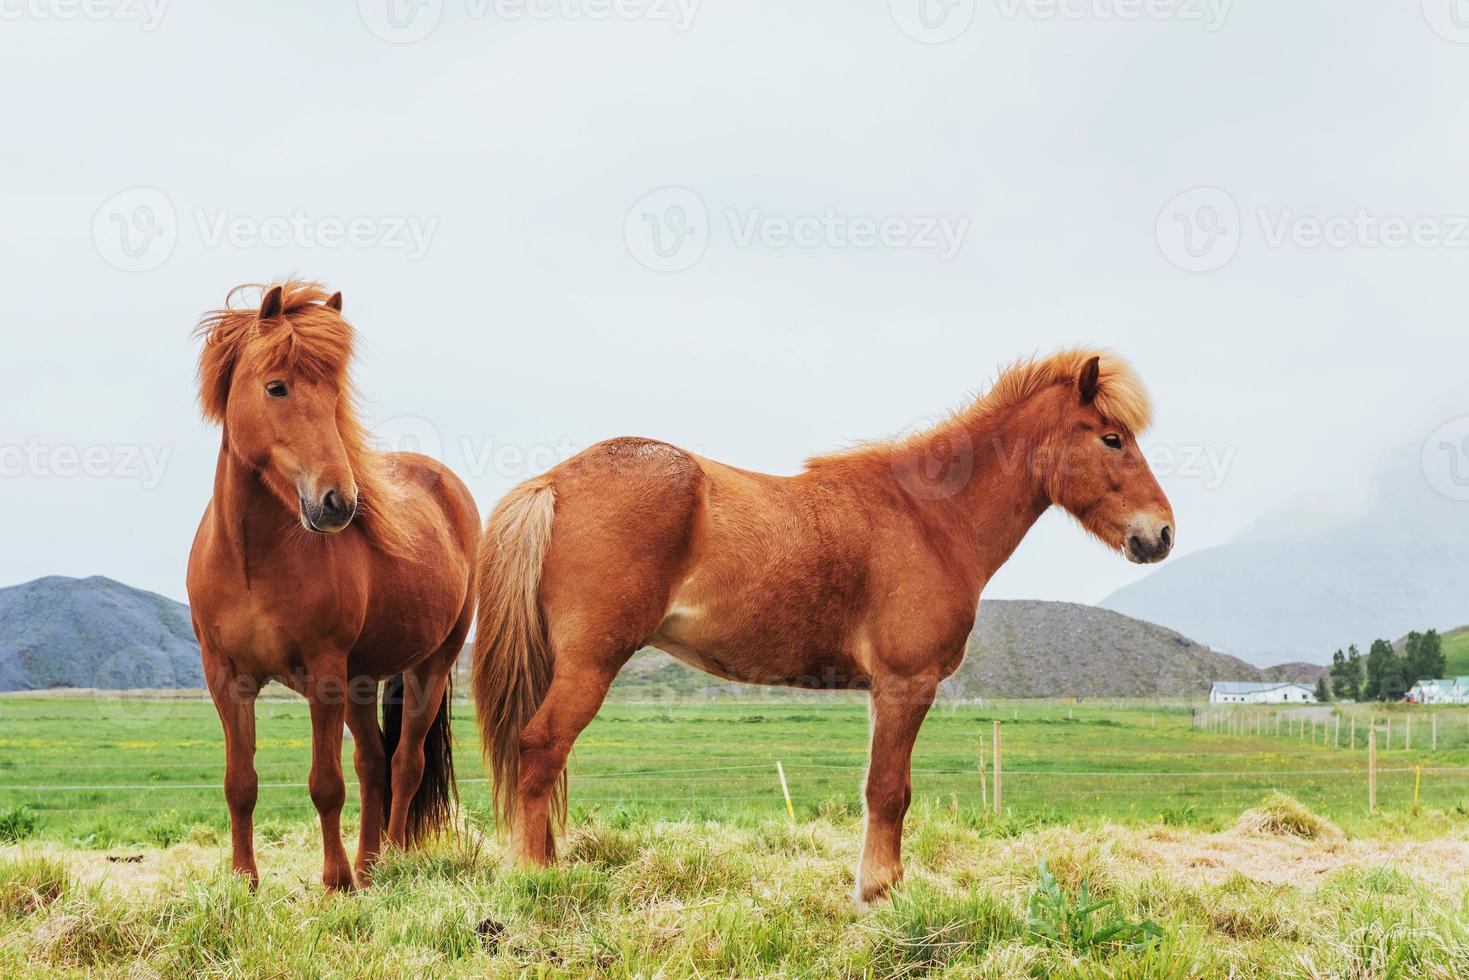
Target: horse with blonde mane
[
  {"x": 864, "y": 571},
  {"x": 328, "y": 567}
]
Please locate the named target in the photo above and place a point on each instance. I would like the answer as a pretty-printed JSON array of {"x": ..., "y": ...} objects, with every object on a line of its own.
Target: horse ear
[
  {"x": 1090, "y": 377},
  {"x": 272, "y": 303},
  {"x": 334, "y": 302}
]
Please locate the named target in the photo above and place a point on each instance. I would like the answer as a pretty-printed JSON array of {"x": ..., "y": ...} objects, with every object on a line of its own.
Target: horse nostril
[
  {"x": 1167, "y": 537},
  {"x": 1135, "y": 544},
  {"x": 332, "y": 502}
]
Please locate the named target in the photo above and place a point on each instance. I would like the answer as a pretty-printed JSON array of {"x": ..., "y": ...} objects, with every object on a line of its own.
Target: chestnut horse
[
  {"x": 863, "y": 571},
  {"x": 327, "y": 567}
]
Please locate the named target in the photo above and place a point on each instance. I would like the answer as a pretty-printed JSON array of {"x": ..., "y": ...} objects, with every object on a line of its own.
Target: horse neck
[
  {"x": 996, "y": 496},
  {"x": 242, "y": 500}
]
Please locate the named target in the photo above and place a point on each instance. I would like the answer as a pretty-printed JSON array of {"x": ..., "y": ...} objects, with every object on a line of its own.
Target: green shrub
[{"x": 17, "y": 824}]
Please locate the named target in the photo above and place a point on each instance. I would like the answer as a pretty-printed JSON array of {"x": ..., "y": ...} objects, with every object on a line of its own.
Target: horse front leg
[
  {"x": 234, "y": 699},
  {"x": 899, "y": 705},
  {"x": 326, "y": 693},
  {"x": 371, "y": 763}
]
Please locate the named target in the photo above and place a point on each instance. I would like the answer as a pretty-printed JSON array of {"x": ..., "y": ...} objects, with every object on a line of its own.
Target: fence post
[
  {"x": 1417, "y": 782},
  {"x": 1372, "y": 770},
  {"x": 1336, "y": 738},
  {"x": 999, "y": 806},
  {"x": 785, "y": 790},
  {"x": 984, "y": 784}
]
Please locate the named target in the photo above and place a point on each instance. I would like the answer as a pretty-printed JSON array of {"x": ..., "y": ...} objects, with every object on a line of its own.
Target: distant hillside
[
  {"x": 94, "y": 632},
  {"x": 1029, "y": 649},
  {"x": 1455, "y": 649},
  {"x": 1303, "y": 584}
]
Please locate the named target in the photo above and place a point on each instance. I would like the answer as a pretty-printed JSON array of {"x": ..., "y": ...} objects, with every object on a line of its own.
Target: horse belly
[{"x": 754, "y": 651}]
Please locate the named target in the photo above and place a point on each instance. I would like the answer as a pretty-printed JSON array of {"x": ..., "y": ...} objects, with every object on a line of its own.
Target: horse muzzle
[
  {"x": 329, "y": 513},
  {"x": 1148, "y": 541}
]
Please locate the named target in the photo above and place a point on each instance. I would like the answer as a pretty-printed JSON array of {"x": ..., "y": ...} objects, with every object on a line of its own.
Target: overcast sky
[{"x": 759, "y": 230}]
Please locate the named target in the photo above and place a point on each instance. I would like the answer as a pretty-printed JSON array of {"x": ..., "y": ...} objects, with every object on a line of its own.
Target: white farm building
[
  {"x": 1257, "y": 692},
  {"x": 1441, "y": 690}
]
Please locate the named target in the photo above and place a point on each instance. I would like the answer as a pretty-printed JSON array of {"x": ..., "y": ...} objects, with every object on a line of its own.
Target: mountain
[
  {"x": 1027, "y": 649},
  {"x": 94, "y": 632},
  {"x": 97, "y": 633},
  {"x": 1302, "y": 584}
]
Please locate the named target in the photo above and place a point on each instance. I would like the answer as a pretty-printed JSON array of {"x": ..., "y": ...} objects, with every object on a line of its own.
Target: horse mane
[
  {"x": 1121, "y": 399},
  {"x": 308, "y": 339}
]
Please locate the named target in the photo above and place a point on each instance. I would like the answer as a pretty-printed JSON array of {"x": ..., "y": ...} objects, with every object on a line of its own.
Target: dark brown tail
[
  {"x": 512, "y": 656},
  {"x": 431, "y": 811}
]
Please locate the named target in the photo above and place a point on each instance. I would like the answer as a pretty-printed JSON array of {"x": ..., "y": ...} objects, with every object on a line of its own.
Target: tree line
[{"x": 1384, "y": 674}]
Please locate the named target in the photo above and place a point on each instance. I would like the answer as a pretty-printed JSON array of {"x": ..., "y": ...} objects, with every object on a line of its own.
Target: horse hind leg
[
  {"x": 579, "y": 685},
  {"x": 421, "y": 783}
]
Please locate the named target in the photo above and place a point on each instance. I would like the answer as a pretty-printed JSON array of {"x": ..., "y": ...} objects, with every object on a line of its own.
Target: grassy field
[
  {"x": 1280, "y": 895},
  {"x": 97, "y": 772},
  {"x": 682, "y": 861}
]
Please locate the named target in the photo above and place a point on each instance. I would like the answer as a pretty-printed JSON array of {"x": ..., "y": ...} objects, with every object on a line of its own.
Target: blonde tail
[{"x": 512, "y": 656}]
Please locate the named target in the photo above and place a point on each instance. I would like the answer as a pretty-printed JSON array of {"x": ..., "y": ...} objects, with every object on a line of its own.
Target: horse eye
[
  {"x": 275, "y": 389},
  {"x": 1112, "y": 441}
]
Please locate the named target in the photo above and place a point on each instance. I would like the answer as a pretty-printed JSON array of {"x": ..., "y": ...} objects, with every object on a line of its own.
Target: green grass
[
  {"x": 1167, "y": 850},
  {"x": 689, "y": 898},
  {"x": 102, "y": 772}
]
